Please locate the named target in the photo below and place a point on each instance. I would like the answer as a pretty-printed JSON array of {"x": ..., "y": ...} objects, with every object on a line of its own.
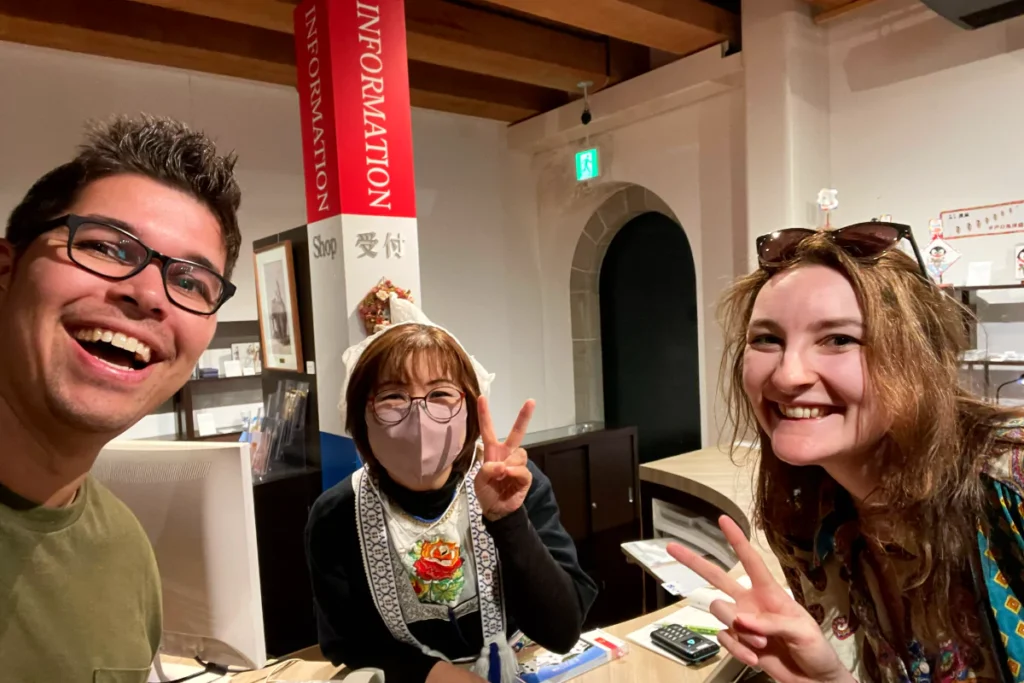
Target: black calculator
[{"x": 683, "y": 643}]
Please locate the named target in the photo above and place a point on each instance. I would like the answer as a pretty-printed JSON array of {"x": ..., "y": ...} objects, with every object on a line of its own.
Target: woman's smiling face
[{"x": 804, "y": 369}]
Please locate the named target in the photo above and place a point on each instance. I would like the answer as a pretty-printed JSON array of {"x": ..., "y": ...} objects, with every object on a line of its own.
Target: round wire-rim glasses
[{"x": 441, "y": 405}]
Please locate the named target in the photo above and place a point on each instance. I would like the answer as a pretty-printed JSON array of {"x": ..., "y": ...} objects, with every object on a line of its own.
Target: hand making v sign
[
  {"x": 766, "y": 628},
  {"x": 504, "y": 479}
]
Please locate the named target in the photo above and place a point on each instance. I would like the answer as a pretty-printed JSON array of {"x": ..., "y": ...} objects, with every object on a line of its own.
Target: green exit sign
[{"x": 587, "y": 167}]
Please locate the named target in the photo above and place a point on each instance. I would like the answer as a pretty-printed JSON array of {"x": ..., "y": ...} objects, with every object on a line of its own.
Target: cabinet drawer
[{"x": 567, "y": 470}]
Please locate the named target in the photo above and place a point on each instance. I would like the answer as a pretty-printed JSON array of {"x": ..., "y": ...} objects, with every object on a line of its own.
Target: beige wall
[
  {"x": 926, "y": 117},
  {"x": 904, "y": 113},
  {"x": 466, "y": 183},
  {"x": 691, "y": 157}
]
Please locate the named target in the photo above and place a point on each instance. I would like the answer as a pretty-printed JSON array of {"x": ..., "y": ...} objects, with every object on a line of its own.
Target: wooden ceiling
[
  {"x": 500, "y": 59},
  {"x": 826, "y": 10}
]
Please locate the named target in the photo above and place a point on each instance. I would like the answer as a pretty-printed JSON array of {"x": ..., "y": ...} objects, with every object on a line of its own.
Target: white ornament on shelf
[{"x": 828, "y": 201}]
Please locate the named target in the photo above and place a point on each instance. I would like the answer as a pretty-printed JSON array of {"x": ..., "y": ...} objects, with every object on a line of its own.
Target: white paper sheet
[
  {"x": 979, "y": 273},
  {"x": 650, "y": 553},
  {"x": 653, "y": 556}
]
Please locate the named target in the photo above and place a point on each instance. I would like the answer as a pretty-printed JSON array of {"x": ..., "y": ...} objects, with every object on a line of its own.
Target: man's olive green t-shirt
[{"x": 79, "y": 591}]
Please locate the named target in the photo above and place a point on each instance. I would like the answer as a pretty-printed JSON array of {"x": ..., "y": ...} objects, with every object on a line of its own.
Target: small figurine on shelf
[{"x": 828, "y": 201}]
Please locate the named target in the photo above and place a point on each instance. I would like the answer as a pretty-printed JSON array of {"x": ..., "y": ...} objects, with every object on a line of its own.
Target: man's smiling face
[{"x": 55, "y": 317}]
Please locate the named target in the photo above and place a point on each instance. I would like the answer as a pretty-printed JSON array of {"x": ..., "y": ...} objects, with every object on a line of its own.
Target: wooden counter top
[{"x": 710, "y": 475}]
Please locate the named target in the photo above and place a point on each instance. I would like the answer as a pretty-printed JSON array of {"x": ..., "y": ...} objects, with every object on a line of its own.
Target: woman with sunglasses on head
[
  {"x": 891, "y": 496},
  {"x": 426, "y": 561}
]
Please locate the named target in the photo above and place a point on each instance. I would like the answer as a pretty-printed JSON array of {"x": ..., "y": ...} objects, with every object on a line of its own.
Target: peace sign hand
[
  {"x": 504, "y": 479},
  {"x": 765, "y": 627}
]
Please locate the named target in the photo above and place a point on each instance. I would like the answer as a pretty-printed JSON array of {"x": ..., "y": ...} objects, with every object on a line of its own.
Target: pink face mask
[{"x": 417, "y": 449}]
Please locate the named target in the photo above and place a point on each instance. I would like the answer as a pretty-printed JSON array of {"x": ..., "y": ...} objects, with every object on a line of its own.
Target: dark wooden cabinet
[
  {"x": 282, "y": 502},
  {"x": 595, "y": 479}
]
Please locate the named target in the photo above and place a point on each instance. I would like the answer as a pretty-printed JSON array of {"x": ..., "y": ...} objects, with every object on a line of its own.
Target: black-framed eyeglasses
[
  {"x": 114, "y": 253},
  {"x": 866, "y": 241},
  {"x": 441, "y": 405}
]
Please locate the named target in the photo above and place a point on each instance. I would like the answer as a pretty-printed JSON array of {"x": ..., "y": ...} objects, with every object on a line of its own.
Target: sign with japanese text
[
  {"x": 353, "y": 87},
  {"x": 979, "y": 221}
]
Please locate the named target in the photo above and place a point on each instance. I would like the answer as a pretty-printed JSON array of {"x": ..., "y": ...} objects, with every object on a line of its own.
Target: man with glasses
[{"x": 113, "y": 268}]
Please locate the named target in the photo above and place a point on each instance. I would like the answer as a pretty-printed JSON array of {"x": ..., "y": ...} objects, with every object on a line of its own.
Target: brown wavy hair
[
  {"x": 930, "y": 491},
  {"x": 386, "y": 359}
]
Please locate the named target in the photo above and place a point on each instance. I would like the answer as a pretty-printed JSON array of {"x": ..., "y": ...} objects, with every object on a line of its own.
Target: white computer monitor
[{"x": 195, "y": 502}]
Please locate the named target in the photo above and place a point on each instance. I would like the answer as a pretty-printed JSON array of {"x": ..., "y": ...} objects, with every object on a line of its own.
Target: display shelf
[
  {"x": 979, "y": 288},
  {"x": 207, "y": 380},
  {"x": 992, "y": 362},
  {"x": 228, "y": 333},
  {"x": 220, "y": 436}
]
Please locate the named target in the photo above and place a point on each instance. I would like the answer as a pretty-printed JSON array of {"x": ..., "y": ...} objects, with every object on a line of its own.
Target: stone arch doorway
[{"x": 621, "y": 223}]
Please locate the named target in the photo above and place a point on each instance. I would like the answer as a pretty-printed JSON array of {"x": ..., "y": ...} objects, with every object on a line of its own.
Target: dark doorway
[{"x": 649, "y": 354}]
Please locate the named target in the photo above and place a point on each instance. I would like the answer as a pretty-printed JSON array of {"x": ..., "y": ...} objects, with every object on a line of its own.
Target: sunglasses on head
[{"x": 867, "y": 241}]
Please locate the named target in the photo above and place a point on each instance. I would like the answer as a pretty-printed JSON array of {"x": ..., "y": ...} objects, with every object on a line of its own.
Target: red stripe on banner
[
  {"x": 375, "y": 121},
  {"x": 314, "y": 66},
  {"x": 353, "y": 82}
]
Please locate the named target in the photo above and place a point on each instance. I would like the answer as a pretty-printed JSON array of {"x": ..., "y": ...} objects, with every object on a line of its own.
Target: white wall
[
  {"x": 471, "y": 252},
  {"x": 692, "y": 158},
  {"x": 465, "y": 189},
  {"x": 49, "y": 94},
  {"x": 925, "y": 117}
]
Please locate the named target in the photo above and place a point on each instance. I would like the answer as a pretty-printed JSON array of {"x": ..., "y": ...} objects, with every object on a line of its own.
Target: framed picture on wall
[{"x": 278, "y": 308}]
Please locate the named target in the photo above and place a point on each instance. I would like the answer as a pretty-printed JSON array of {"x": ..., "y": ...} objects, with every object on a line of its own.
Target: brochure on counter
[{"x": 538, "y": 665}]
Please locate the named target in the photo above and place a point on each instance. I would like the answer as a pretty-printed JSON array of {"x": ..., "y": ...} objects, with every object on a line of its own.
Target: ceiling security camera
[{"x": 585, "y": 117}]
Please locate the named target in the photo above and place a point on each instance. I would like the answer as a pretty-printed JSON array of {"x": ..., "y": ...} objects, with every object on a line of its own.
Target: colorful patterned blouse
[{"x": 835, "y": 582}]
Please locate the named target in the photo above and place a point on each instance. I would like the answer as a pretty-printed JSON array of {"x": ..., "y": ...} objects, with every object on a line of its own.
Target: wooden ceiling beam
[
  {"x": 676, "y": 26},
  {"x": 827, "y": 10},
  {"x": 451, "y": 35},
  {"x": 118, "y": 30},
  {"x": 490, "y": 44},
  {"x": 269, "y": 14},
  {"x": 695, "y": 13},
  {"x": 827, "y": 4},
  {"x": 111, "y": 34},
  {"x": 444, "y": 89},
  {"x": 824, "y": 16},
  {"x": 157, "y": 26}
]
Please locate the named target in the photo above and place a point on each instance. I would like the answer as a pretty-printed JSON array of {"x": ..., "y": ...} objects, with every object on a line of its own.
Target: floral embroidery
[
  {"x": 437, "y": 571},
  {"x": 842, "y": 628}
]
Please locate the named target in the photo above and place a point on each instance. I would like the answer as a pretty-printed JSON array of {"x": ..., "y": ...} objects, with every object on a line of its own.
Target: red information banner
[{"x": 353, "y": 83}]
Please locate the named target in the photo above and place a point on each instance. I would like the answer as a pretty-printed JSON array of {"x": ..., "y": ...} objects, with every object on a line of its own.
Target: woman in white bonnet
[{"x": 428, "y": 560}]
